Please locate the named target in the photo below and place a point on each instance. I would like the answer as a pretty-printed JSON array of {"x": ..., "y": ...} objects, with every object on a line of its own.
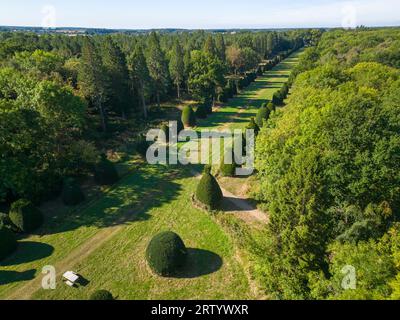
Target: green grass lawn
[{"x": 105, "y": 240}]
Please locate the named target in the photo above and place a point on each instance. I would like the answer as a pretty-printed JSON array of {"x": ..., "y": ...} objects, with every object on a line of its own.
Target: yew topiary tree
[
  {"x": 253, "y": 126},
  {"x": 72, "y": 193},
  {"x": 201, "y": 112},
  {"x": 228, "y": 169},
  {"x": 25, "y": 216},
  {"x": 8, "y": 242},
  {"x": 262, "y": 115},
  {"x": 208, "y": 191},
  {"x": 188, "y": 117},
  {"x": 105, "y": 172},
  {"x": 102, "y": 295},
  {"x": 166, "y": 253},
  {"x": 164, "y": 128}
]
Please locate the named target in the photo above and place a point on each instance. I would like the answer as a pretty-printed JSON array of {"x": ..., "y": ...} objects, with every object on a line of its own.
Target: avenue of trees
[
  {"x": 329, "y": 173},
  {"x": 62, "y": 97}
]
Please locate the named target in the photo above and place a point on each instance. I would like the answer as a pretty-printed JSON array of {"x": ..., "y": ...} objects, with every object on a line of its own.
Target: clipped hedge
[
  {"x": 8, "y": 242},
  {"x": 188, "y": 117},
  {"x": 25, "y": 216},
  {"x": 166, "y": 253},
  {"x": 72, "y": 194},
  {"x": 102, "y": 295},
  {"x": 208, "y": 191},
  {"x": 105, "y": 172}
]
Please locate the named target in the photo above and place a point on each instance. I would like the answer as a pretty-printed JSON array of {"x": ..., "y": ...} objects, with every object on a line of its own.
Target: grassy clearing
[{"x": 153, "y": 199}]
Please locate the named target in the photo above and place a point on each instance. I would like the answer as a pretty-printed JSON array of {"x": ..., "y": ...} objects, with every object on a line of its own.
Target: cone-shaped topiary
[
  {"x": 180, "y": 126},
  {"x": 208, "y": 105},
  {"x": 166, "y": 253},
  {"x": 72, "y": 194},
  {"x": 164, "y": 128},
  {"x": 271, "y": 107},
  {"x": 188, "y": 117},
  {"x": 102, "y": 295},
  {"x": 201, "y": 112},
  {"x": 8, "y": 242},
  {"x": 228, "y": 170},
  {"x": 105, "y": 172},
  {"x": 253, "y": 126},
  {"x": 208, "y": 191},
  {"x": 262, "y": 115},
  {"x": 142, "y": 146},
  {"x": 25, "y": 216}
]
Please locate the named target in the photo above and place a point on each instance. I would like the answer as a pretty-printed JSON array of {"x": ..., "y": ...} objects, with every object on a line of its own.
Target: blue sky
[{"x": 146, "y": 14}]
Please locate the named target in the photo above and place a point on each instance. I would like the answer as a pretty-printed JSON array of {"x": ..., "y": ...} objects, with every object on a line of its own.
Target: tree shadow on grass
[
  {"x": 27, "y": 252},
  {"x": 199, "y": 263},
  {"x": 7, "y": 277},
  {"x": 129, "y": 201}
]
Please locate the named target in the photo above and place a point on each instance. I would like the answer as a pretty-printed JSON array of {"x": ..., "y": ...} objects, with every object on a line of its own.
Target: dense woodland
[
  {"x": 329, "y": 172},
  {"x": 63, "y": 98}
]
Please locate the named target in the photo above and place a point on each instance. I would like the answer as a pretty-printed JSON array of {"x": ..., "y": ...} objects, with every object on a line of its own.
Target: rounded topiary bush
[
  {"x": 72, "y": 194},
  {"x": 253, "y": 126},
  {"x": 208, "y": 191},
  {"x": 102, "y": 295},
  {"x": 262, "y": 115},
  {"x": 188, "y": 117},
  {"x": 8, "y": 242},
  {"x": 25, "y": 216},
  {"x": 201, "y": 112},
  {"x": 105, "y": 172},
  {"x": 166, "y": 253}
]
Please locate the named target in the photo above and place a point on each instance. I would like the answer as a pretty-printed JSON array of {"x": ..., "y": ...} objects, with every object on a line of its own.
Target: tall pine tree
[
  {"x": 139, "y": 74},
  {"x": 177, "y": 66},
  {"x": 92, "y": 79},
  {"x": 158, "y": 67}
]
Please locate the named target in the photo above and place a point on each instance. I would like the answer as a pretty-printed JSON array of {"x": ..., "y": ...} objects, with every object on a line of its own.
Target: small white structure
[{"x": 70, "y": 278}]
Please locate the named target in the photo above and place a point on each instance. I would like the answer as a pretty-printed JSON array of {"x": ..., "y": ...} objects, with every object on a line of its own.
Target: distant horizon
[
  {"x": 200, "y": 15},
  {"x": 194, "y": 29}
]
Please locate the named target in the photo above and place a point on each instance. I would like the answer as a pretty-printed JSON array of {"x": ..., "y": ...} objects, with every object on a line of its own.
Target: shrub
[
  {"x": 277, "y": 99},
  {"x": 253, "y": 126},
  {"x": 8, "y": 242},
  {"x": 166, "y": 253},
  {"x": 181, "y": 127},
  {"x": 102, "y": 295},
  {"x": 228, "y": 170},
  {"x": 208, "y": 191},
  {"x": 208, "y": 105},
  {"x": 271, "y": 107},
  {"x": 25, "y": 216},
  {"x": 188, "y": 117},
  {"x": 142, "y": 146},
  {"x": 105, "y": 172},
  {"x": 262, "y": 114},
  {"x": 164, "y": 128},
  {"x": 201, "y": 112},
  {"x": 72, "y": 193}
]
